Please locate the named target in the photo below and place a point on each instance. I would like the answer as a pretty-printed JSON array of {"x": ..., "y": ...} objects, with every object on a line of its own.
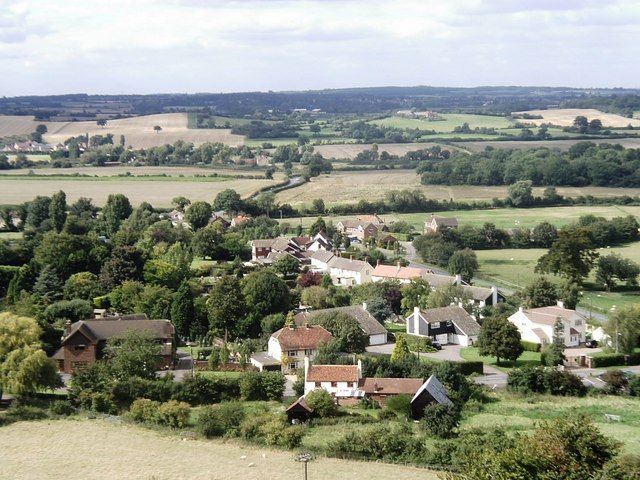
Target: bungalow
[
  {"x": 436, "y": 223},
  {"x": 445, "y": 324},
  {"x": 84, "y": 341},
  {"x": 357, "y": 229},
  {"x": 338, "y": 380},
  {"x": 347, "y": 272},
  {"x": 537, "y": 324},
  {"x": 368, "y": 324},
  {"x": 289, "y": 345},
  {"x": 396, "y": 272}
]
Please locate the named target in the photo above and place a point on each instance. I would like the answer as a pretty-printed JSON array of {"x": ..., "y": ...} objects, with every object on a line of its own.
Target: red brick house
[{"x": 84, "y": 341}]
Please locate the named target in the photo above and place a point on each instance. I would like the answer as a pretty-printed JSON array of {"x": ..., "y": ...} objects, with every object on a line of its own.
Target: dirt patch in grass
[{"x": 97, "y": 449}]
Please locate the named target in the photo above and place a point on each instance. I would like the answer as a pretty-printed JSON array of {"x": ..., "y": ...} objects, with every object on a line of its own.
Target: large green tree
[
  {"x": 58, "y": 210},
  {"x": 499, "y": 338},
  {"x": 540, "y": 293},
  {"x": 198, "y": 215},
  {"x": 183, "y": 310},
  {"x": 133, "y": 354},
  {"x": 623, "y": 327},
  {"x": 116, "y": 210},
  {"x": 265, "y": 293},
  {"x": 229, "y": 201},
  {"x": 227, "y": 307},
  {"x": 571, "y": 256},
  {"x": 465, "y": 263}
]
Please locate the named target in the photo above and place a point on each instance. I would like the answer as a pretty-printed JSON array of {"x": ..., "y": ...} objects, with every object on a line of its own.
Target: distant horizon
[
  {"x": 290, "y": 91},
  {"x": 228, "y": 46}
]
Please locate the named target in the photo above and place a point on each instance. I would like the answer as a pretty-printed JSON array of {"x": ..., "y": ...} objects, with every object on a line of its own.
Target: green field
[
  {"x": 514, "y": 268},
  {"x": 451, "y": 121},
  {"x": 502, "y": 217},
  {"x": 517, "y": 413}
]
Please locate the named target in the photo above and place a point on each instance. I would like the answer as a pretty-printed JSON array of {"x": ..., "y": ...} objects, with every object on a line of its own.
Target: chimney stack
[
  {"x": 560, "y": 303},
  {"x": 364, "y": 305},
  {"x": 359, "y": 369},
  {"x": 494, "y": 295},
  {"x": 306, "y": 369},
  {"x": 67, "y": 327},
  {"x": 416, "y": 321},
  {"x": 458, "y": 279}
]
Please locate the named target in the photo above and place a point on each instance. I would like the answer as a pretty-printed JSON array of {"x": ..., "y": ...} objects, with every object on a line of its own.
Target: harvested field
[
  {"x": 103, "y": 450},
  {"x": 350, "y": 150},
  {"x": 352, "y": 186},
  {"x": 156, "y": 191},
  {"x": 564, "y": 117},
  {"x": 559, "y": 144},
  {"x": 186, "y": 170},
  {"x": 451, "y": 120},
  {"x": 139, "y": 133}
]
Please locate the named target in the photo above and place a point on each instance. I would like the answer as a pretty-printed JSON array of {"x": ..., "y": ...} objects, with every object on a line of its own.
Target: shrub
[
  {"x": 144, "y": 410},
  {"x": 103, "y": 403},
  {"x": 18, "y": 412},
  {"x": 616, "y": 381},
  {"x": 200, "y": 390},
  {"x": 530, "y": 346},
  {"x": 224, "y": 419},
  {"x": 608, "y": 360},
  {"x": 251, "y": 387},
  {"x": 469, "y": 366},
  {"x": 634, "y": 386},
  {"x": 276, "y": 432},
  {"x": 62, "y": 408},
  {"x": 545, "y": 380},
  {"x": 250, "y": 427},
  {"x": 623, "y": 467},
  {"x": 174, "y": 414},
  {"x": 322, "y": 403},
  {"x": 440, "y": 420},
  {"x": 400, "y": 405},
  {"x": 273, "y": 385},
  {"x": 127, "y": 390}
]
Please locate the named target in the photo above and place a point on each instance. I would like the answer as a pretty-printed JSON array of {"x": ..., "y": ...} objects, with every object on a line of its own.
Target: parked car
[
  {"x": 591, "y": 343},
  {"x": 436, "y": 345}
]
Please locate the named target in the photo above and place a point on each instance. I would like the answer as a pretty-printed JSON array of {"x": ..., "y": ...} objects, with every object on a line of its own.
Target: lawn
[
  {"x": 10, "y": 235},
  {"x": 451, "y": 120},
  {"x": 527, "y": 358},
  {"x": 521, "y": 413},
  {"x": 104, "y": 449}
]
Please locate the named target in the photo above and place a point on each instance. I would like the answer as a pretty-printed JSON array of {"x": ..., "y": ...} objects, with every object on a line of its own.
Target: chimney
[
  {"x": 520, "y": 309},
  {"x": 416, "y": 321},
  {"x": 306, "y": 369},
  {"x": 351, "y": 258},
  {"x": 67, "y": 327},
  {"x": 359, "y": 369},
  {"x": 399, "y": 264},
  {"x": 494, "y": 295},
  {"x": 458, "y": 279},
  {"x": 378, "y": 263},
  {"x": 364, "y": 305},
  {"x": 560, "y": 303}
]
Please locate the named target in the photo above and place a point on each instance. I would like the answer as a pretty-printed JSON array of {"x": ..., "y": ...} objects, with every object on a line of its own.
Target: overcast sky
[{"x": 151, "y": 46}]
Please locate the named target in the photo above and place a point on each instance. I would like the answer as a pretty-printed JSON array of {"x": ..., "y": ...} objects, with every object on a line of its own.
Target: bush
[
  {"x": 200, "y": 390},
  {"x": 144, "y": 410},
  {"x": 224, "y": 419},
  {"x": 174, "y": 414},
  {"x": 468, "y": 367},
  {"x": 634, "y": 386},
  {"x": 416, "y": 343},
  {"x": 251, "y": 387},
  {"x": 322, "y": 403},
  {"x": 276, "y": 432},
  {"x": 616, "y": 381},
  {"x": 127, "y": 390},
  {"x": 273, "y": 385},
  {"x": 103, "y": 403},
  {"x": 400, "y": 405},
  {"x": 608, "y": 360},
  {"x": 530, "y": 346},
  {"x": 440, "y": 420},
  {"x": 62, "y": 408},
  {"x": 545, "y": 380},
  {"x": 21, "y": 413}
]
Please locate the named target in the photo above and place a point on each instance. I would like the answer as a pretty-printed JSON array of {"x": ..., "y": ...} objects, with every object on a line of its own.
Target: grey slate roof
[
  {"x": 437, "y": 280},
  {"x": 322, "y": 256},
  {"x": 368, "y": 324},
  {"x": 452, "y": 313},
  {"x": 104, "y": 329},
  {"x": 348, "y": 264},
  {"x": 435, "y": 389}
]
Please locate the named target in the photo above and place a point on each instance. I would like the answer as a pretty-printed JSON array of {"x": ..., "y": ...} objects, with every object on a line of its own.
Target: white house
[
  {"x": 436, "y": 223},
  {"x": 320, "y": 260},
  {"x": 445, "y": 325},
  {"x": 289, "y": 346},
  {"x": 338, "y": 380},
  {"x": 397, "y": 273},
  {"x": 537, "y": 324},
  {"x": 347, "y": 272}
]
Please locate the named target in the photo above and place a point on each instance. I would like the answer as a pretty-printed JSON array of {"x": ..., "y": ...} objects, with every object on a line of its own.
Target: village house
[
  {"x": 436, "y": 280},
  {"x": 84, "y": 341},
  {"x": 537, "y": 324},
  {"x": 368, "y": 324},
  {"x": 288, "y": 347},
  {"x": 436, "y": 223},
  {"x": 239, "y": 220},
  {"x": 346, "y": 384},
  {"x": 358, "y": 230},
  {"x": 445, "y": 325},
  {"x": 320, "y": 260},
  {"x": 348, "y": 272},
  {"x": 375, "y": 219},
  {"x": 397, "y": 272},
  {"x": 482, "y": 296},
  {"x": 300, "y": 248}
]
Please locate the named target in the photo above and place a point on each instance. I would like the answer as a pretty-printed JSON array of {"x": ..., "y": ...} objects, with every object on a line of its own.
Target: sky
[{"x": 188, "y": 46}]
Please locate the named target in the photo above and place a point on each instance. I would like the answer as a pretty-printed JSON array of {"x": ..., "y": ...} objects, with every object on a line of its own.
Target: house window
[
  {"x": 78, "y": 347},
  {"x": 334, "y": 384},
  {"x": 318, "y": 384},
  {"x": 308, "y": 351},
  {"x": 435, "y": 325},
  {"x": 292, "y": 353},
  {"x": 293, "y": 366}
]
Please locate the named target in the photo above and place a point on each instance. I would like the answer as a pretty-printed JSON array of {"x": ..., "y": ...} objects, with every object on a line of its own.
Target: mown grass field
[
  {"x": 564, "y": 117},
  {"x": 352, "y": 186},
  {"x": 104, "y": 450},
  {"x": 158, "y": 191},
  {"x": 451, "y": 120},
  {"x": 526, "y": 359}
]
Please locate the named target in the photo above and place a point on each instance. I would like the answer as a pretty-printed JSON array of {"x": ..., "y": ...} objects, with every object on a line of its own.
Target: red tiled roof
[
  {"x": 332, "y": 373},
  {"x": 391, "y": 386},
  {"x": 394, "y": 271},
  {"x": 298, "y": 338}
]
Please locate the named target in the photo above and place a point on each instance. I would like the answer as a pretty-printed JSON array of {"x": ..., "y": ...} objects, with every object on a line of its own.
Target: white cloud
[{"x": 198, "y": 45}]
